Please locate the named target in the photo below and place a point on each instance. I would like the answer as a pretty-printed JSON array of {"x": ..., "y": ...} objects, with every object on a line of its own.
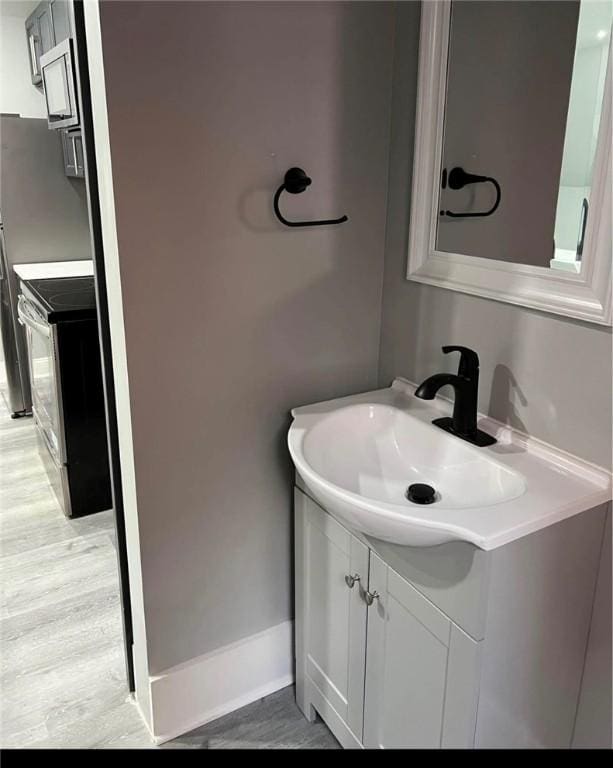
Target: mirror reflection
[{"x": 525, "y": 88}]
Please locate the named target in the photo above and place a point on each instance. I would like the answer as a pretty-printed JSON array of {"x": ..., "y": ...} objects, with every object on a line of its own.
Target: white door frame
[{"x": 118, "y": 345}]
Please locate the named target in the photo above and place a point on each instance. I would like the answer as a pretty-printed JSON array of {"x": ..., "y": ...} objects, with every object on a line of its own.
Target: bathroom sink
[
  {"x": 358, "y": 456},
  {"x": 360, "y": 460}
]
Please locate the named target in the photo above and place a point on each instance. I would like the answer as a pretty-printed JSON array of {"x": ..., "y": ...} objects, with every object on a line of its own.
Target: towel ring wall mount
[
  {"x": 295, "y": 182},
  {"x": 458, "y": 178}
]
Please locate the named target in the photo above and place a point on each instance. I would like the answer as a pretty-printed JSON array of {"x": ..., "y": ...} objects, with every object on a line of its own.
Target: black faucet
[{"x": 465, "y": 384}]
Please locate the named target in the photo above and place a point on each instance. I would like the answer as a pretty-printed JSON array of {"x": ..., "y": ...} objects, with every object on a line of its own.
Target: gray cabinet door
[
  {"x": 60, "y": 20},
  {"x": 33, "y": 42},
  {"x": 331, "y": 649},
  {"x": 45, "y": 27},
  {"x": 78, "y": 153},
  {"x": 421, "y": 671},
  {"x": 68, "y": 151},
  {"x": 72, "y": 148}
]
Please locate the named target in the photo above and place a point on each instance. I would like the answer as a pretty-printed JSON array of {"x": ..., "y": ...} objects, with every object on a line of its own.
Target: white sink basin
[{"x": 358, "y": 455}]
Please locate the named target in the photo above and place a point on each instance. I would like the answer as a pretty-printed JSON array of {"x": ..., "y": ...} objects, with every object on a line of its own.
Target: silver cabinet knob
[
  {"x": 370, "y": 597},
  {"x": 351, "y": 580}
]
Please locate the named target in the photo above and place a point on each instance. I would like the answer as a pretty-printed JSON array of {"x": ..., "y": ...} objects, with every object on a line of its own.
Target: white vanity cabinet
[
  {"x": 378, "y": 661},
  {"x": 448, "y": 646}
]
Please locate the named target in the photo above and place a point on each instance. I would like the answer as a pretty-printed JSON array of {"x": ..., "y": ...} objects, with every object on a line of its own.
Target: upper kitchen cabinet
[
  {"x": 46, "y": 26},
  {"x": 35, "y": 39},
  {"x": 60, "y": 16}
]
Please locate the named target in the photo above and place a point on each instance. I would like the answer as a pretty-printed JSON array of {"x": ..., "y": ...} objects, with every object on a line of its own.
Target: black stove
[
  {"x": 64, "y": 298},
  {"x": 59, "y": 319}
]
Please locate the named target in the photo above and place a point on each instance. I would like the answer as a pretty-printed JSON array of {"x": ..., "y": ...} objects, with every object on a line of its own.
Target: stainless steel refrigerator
[{"x": 44, "y": 218}]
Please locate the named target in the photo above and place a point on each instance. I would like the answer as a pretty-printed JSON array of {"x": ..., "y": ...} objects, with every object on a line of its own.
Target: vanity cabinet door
[
  {"x": 331, "y": 619},
  {"x": 421, "y": 670}
]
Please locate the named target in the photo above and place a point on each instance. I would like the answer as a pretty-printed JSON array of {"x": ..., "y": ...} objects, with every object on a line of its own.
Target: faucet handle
[{"x": 469, "y": 361}]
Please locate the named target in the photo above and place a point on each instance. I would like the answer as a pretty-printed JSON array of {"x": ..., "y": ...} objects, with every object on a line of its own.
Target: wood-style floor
[
  {"x": 274, "y": 722},
  {"x": 62, "y": 675}
]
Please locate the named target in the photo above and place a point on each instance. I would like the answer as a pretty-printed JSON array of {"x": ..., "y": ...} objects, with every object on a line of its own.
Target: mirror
[
  {"x": 587, "y": 92},
  {"x": 523, "y": 102},
  {"x": 511, "y": 182}
]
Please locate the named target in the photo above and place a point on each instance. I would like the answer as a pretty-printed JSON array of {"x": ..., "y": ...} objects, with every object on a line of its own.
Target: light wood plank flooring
[
  {"x": 62, "y": 674},
  {"x": 274, "y": 722}
]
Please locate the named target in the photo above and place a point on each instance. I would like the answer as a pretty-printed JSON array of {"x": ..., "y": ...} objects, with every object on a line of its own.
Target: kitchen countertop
[{"x": 51, "y": 269}]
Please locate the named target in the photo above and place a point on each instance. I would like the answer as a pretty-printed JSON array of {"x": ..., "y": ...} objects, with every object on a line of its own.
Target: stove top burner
[
  {"x": 63, "y": 295},
  {"x": 77, "y": 299}
]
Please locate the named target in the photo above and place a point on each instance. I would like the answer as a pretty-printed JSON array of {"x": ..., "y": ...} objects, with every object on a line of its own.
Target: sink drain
[{"x": 420, "y": 493}]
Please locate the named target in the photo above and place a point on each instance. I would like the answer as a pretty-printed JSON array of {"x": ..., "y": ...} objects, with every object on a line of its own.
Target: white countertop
[
  {"x": 51, "y": 269},
  {"x": 559, "y": 485}
]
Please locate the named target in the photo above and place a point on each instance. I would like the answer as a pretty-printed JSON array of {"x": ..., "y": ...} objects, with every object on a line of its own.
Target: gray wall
[
  {"x": 230, "y": 318},
  {"x": 44, "y": 212},
  {"x": 543, "y": 374},
  {"x": 510, "y": 69},
  {"x": 18, "y": 95}
]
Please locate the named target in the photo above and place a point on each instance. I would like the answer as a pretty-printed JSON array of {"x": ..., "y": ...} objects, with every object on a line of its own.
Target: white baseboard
[{"x": 203, "y": 689}]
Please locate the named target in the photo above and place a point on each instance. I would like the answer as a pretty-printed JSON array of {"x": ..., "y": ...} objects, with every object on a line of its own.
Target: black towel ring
[
  {"x": 459, "y": 178},
  {"x": 295, "y": 182}
]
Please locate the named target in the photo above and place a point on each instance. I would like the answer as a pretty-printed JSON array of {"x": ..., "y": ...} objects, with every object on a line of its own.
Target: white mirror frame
[{"x": 586, "y": 296}]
